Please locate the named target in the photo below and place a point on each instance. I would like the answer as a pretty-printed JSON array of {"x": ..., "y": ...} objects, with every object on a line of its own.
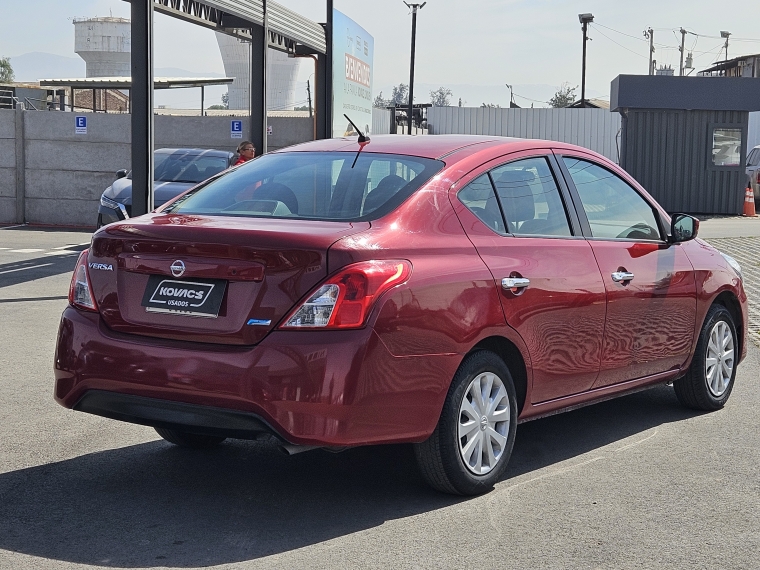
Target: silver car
[{"x": 753, "y": 171}]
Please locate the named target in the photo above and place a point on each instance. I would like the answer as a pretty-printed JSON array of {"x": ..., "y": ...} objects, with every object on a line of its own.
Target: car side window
[
  {"x": 754, "y": 157},
  {"x": 480, "y": 199},
  {"x": 613, "y": 208},
  {"x": 530, "y": 198}
]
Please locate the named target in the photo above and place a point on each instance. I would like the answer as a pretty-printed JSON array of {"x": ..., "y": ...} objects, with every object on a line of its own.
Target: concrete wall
[
  {"x": 7, "y": 166},
  {"x": 64, "y": 173}
]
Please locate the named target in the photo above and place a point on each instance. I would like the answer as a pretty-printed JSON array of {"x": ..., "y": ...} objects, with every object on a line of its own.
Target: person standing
[{"x": 246, "y": 151}]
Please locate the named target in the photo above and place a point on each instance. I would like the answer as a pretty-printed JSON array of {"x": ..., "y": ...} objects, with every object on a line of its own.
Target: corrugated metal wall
[
  {"x": 381, "y": 121},
  {"x": 667, "y": 152},
  {"x": 595, "y": 129}
]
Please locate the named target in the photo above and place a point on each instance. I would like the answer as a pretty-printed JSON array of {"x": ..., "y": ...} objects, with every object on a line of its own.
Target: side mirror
[
  {"x": 683, "y": 228},
  {"x": 121, "y": 173}
]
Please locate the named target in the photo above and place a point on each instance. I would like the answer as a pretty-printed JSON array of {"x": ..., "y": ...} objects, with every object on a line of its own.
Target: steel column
[
  {"x": 141, "y": 101},
  {"x": 323, "y": 101},
  {"x": 258, "y": 89}
]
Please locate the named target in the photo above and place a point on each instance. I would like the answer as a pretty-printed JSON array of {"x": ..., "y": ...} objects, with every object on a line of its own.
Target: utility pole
[
  {"x": 308, "y": 95},
  {"x": 649, "y": 34},
  {"x": 683, "y": 40},
  {"x": 414, "y": 8},
  {"x": 585, "y": 20}
]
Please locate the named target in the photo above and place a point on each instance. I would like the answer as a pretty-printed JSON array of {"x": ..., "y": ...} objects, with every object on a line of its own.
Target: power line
[{"x": 621, "y": 45}]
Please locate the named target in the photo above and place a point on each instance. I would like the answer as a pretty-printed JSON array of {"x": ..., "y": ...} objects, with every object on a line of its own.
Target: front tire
[
  {"x": 710, "y": 378},
  {"x": 471, "y": 445},
  {"x": 190, "y": 440}
]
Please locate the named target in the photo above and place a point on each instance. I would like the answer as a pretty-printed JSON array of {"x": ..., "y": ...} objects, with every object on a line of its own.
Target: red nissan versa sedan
[{"x": 435, "y": 290}]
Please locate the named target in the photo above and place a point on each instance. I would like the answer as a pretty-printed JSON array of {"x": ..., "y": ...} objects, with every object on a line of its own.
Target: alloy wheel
[
  {"x": 719, "y": 360},
  {"x": 484, "y": 417}
]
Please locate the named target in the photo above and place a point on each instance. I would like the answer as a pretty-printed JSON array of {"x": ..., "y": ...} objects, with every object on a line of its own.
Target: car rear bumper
[
  {"x": 337, "y": 388},
  {"x": 205, "y": 420}
]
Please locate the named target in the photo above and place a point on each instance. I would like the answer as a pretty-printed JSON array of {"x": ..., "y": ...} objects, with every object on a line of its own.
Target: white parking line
[
  {"x": 72, "y": 245},
  {"x": 29, "y": 250},
  {"x": 24, "y": 268}
]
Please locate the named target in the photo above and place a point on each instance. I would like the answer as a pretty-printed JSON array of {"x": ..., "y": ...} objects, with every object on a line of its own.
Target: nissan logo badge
[{"x": 178, "y": 268}]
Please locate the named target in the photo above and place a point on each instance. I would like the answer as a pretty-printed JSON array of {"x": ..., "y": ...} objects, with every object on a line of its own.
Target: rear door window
[
  {"x": 530, "y": 198},
  {"x": 480, "y": 199}
]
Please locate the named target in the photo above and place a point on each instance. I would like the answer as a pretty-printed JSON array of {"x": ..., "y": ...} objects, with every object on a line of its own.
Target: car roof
[
  {"x": 195, "y": 151},
  {"x": 452, "y": 148},
  {"x": 424, "y": 146}
]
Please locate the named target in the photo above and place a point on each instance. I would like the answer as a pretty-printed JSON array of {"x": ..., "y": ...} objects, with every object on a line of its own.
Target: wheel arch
[
  {"x": 514, "y": 360},
  {"x": 728, "y": 300}
]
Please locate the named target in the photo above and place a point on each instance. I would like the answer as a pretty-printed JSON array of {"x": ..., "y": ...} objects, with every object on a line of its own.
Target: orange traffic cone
[{"x": 749, "y": 203}]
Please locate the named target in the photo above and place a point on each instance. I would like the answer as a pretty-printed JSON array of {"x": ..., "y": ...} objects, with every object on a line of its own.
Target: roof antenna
[{"x": 362, "y": 138}]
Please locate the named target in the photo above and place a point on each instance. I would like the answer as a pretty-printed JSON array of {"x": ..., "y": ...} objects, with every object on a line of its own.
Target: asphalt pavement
[{"x": 636, "y": 482}]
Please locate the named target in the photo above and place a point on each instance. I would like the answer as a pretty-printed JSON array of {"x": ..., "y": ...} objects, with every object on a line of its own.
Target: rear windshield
[
  {"x": 181, "y": 167},
  {"x": 313, "y": 185}
]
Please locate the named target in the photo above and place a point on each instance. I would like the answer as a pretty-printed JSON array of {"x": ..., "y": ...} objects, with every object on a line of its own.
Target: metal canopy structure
[
  {"x": 287, "y": 29},
  {"x": 266, "y": 24},
  {"x": 126, "y": 82},
  {"x": 94, "y": 83}
]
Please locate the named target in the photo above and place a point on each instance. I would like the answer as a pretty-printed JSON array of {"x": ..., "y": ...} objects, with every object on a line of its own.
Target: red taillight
[
  {"x": 80, "y": 291},
  {"x": 758, "y": 175},
  {"x": 345, "y": 300}
]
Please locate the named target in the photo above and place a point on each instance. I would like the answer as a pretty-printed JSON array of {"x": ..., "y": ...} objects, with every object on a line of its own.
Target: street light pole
[
  {"x": 585, "y": 20},
  {"x": 414, "y": 8},
  {"x": 724, "y": 34}
]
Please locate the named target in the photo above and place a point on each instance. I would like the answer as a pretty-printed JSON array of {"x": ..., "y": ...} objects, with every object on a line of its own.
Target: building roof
[
  {"x": 126, "y": 82},
  {"x": 687, "y": 93},
  {"x": 727, "y": 64}
]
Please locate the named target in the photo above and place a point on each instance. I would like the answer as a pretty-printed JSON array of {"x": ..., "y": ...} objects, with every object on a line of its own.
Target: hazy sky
[{"x": 484, "y": 42}]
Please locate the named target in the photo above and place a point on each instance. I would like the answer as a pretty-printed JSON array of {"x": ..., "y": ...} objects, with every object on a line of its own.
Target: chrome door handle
[
  {"x": 514, "y": 283},
  {"x": 620, "y": 276}
]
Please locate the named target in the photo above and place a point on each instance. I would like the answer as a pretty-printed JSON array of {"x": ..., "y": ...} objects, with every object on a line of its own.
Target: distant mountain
[{"x": 37, "y": 65}]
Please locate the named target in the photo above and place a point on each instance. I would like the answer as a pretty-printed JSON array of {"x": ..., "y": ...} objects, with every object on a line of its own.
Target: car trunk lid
[{"x": 260, "y": 268}]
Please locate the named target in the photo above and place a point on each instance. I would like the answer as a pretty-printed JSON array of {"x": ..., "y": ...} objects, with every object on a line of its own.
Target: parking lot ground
[{"x": 637, "y": 482}]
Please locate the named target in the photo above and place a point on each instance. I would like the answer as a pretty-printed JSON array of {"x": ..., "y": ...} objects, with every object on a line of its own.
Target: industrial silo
[
  {"x": 105, "y": 45},
  {"x": 282, "y": 74}
]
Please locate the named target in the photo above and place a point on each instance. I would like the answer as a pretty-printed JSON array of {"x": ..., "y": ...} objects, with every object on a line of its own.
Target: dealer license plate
[{"x": 194, "y": 298}]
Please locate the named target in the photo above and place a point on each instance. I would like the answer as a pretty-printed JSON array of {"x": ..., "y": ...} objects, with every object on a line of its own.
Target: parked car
[
  {"x": 175, "y": 170},
  {"x": 753, "y": 171},
  {"x": 433, "y": 290}
]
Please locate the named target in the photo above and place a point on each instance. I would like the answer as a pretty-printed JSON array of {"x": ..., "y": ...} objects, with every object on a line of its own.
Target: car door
[
  {"x": 651, "y": 290},
  {"x": 550, "y": 287}
]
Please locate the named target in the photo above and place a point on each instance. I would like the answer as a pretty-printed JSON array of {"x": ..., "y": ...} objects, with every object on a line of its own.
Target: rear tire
[
  {"x": 190, "y": 440},
  {"x": 710, "y": 378},
  {"x": 470, "y": 447}
]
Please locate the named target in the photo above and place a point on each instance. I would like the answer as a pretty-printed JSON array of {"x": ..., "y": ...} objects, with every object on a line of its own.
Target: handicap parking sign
[
  {"x": 80, "y": 125},
  {"x": 236, "y": 129}
]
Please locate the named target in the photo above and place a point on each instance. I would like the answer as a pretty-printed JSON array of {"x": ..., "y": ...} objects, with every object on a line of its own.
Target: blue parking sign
[
  {"x": 80, "y": 125},
  {"x": 236, "y": 129}
]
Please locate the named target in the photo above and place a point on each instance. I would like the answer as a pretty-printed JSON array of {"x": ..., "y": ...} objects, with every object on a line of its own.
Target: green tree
[
  {"x": 216, "y": 108},
  {"x": 440, "y": 97},
  {"x": 6, "y": 70},
  {"x": 380, "y": 101},
  {"x": 564, "y": 97},
  {"x": 490, "y": 105},
  {"x": 400, "y": 94}
]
